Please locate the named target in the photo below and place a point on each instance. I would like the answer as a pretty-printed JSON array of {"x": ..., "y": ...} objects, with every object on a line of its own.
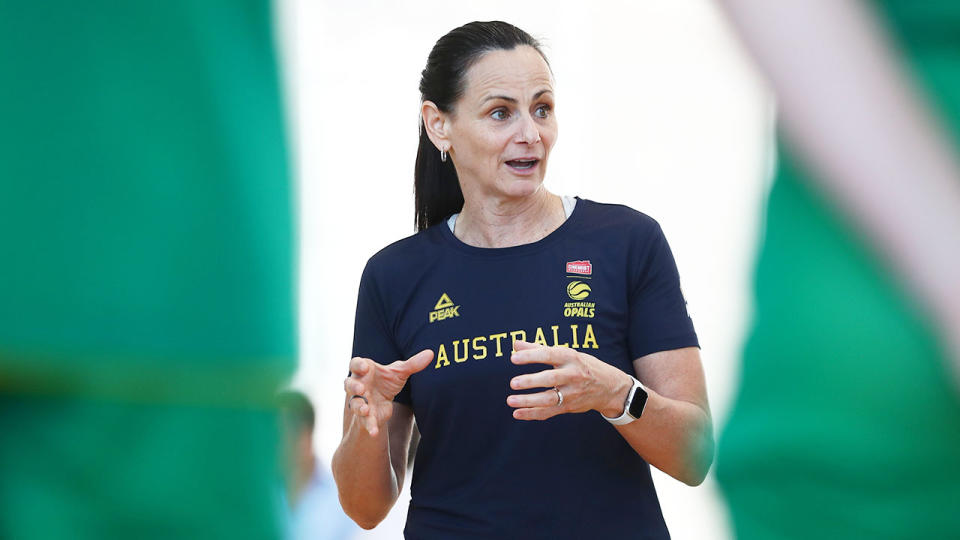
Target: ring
[
  {"x": 559, "y": 396},
  {"x": 361, "y": 397}
]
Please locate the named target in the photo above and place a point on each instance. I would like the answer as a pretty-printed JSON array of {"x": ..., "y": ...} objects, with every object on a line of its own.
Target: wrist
[{"x": 617, "y": 397}]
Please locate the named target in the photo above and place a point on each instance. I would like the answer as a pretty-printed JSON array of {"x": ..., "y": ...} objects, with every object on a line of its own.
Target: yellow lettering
[
  {"x": 540, "y": 338},
  {"x": 442, "y": 357},
  {"x": 456, "y": 351},
  {"x": 589, "y": 337},
  {"x": 556, "y": 340},
  {"x": 498, "y": 337},
  {"x": 573, "y": 328},
  {"x": 514, "y": 334},
  {"x": 476, "y": 347},
  {"x": 433, "y": 316}
]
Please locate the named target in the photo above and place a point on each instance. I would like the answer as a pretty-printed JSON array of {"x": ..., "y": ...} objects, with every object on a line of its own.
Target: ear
[{"x": 436, "y": 123}]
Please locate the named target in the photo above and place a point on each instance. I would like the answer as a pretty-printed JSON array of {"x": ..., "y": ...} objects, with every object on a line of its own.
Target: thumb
[{"x": 415, "y": 363}]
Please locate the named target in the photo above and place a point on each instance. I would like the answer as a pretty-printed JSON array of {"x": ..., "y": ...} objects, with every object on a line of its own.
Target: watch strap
[{"x": 625, "y": 417}]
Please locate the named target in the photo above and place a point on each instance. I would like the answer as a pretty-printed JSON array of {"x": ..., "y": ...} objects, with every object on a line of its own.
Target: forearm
[
  {"x": 366, "y": 481},
  {"x": 852, "y": 114},
  {"x": 672, "y": 435}
]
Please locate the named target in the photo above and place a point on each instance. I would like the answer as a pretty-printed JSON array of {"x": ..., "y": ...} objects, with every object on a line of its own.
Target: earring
[{"x": 443, "y": 155}]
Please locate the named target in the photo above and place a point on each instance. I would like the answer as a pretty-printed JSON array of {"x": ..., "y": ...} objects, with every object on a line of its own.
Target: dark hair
[
  {"x": 295, "y": 410},
  {"x": 436, "y": 187}
]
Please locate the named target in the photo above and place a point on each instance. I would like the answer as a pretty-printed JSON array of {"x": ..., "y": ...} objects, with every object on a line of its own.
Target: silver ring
[
  {"x": 361, "y": 397},
  {"x": 559, "y": 396}
]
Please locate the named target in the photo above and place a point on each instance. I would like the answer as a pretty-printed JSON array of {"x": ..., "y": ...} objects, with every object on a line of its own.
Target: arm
[
  {"x": 370, "y": 463},
  {"x": 675, "y": 432},
  {"x": 369, "y": 470},
  {"x": 851, "y": 112}
]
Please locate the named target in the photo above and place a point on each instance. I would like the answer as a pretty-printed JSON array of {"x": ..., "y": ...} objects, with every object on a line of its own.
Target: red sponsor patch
[{"x": 580, "y": 267}]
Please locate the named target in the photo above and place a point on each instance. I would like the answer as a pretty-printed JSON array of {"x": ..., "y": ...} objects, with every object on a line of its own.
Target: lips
[{"x": 523, "y": 163}]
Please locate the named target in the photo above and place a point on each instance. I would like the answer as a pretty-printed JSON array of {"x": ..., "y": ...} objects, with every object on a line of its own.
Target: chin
[{"x": 524, "y": 187}]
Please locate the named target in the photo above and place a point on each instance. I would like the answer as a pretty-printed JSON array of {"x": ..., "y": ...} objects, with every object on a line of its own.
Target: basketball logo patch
[{"x": 578, "y": 290}]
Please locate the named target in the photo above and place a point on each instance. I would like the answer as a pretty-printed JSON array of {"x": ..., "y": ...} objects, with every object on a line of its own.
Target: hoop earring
[{"x": 443, "y": 155}]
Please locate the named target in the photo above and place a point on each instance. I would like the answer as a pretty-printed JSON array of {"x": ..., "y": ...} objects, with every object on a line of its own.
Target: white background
[{"x": 658, "y": 108}]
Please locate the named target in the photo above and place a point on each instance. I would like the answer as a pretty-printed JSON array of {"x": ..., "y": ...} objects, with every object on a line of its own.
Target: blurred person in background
[
  {"x": 311, "y": 495},
  {"x": 556, "y": 360},
  {"x": 847, "y": 422},
  {"x": 146, "y": 285}
]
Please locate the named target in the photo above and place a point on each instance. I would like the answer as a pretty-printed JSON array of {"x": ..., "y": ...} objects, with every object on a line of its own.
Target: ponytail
[{"x": 436, "y": 188}]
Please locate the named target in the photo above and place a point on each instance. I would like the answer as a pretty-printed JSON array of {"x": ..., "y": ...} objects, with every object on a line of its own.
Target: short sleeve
[
  {"x": 372, "y": 337},
  {"x": 658, "y": 310}
]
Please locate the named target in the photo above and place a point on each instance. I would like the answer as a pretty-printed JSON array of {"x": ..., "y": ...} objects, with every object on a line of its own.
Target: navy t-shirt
[{"x": 604, "y": 283}]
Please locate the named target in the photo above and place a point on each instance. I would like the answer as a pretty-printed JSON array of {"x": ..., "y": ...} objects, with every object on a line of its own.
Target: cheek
[
  {"x": 549, "y": 139},
  {"x": 548, "y": 134}
]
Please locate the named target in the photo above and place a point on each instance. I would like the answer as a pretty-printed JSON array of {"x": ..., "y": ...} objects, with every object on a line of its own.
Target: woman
[{"x": 526, "y": 309}]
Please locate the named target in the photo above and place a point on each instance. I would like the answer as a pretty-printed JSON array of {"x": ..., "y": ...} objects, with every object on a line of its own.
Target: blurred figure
[
  {"x": 146, "y": 270},
  {"x": 847, "y": 423},
  {"x": 315, "y": 512}
]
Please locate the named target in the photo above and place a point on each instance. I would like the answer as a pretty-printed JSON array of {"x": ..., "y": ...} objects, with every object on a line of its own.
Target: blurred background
[{"x": 658, "y": 108}]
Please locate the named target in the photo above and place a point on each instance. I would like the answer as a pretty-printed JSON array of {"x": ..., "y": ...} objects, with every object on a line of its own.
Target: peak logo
[
  {"x": 444, "y": 309},
  {"x": 583, "y": 268}
]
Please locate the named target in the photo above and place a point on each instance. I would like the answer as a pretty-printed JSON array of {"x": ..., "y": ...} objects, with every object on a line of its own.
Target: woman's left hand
[{"x": 585, "y": 382}]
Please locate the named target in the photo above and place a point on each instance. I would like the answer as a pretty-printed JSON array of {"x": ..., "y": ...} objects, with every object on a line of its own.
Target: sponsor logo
[
  {"x": 444, "y": 309},
  {"x": 584, "y": 268}
]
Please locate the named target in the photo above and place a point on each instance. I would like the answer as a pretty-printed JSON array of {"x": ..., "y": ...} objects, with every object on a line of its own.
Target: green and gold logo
[{"x": 578, "y": 290}]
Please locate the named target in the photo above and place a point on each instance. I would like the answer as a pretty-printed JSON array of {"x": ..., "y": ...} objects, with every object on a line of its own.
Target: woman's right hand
[{"x": 371, "y": 387}]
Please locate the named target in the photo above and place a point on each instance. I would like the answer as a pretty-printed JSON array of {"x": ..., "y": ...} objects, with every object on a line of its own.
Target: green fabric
[
  {"x": 846, "y": 424},
  {"x": 146, "y": 290}
]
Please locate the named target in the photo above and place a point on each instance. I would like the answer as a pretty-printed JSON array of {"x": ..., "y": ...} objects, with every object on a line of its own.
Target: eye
[
  {"x": 500, "y": 114},
  {"x": 542, "y": 111}
]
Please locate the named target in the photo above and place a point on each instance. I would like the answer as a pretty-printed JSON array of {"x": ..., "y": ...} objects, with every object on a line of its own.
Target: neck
[{"x": 498, "y": 223}]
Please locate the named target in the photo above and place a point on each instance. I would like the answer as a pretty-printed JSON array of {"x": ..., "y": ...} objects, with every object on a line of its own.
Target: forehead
[{"x": 518, "y": 71}]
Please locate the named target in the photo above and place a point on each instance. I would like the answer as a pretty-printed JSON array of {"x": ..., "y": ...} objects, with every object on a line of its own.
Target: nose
[{"x": 527, "y": 132}]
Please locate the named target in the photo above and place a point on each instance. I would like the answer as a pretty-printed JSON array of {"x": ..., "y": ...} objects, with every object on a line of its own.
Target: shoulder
[
  {"x": 617, "y": 220},
  {"x": 406, "y": 255}
]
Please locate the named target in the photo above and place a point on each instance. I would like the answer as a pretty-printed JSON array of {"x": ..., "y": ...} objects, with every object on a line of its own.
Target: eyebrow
[{"x": 514, "y": 100}]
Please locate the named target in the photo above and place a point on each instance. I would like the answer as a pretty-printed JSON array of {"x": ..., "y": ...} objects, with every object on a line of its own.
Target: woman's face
[{"x": 503, "y": 127}]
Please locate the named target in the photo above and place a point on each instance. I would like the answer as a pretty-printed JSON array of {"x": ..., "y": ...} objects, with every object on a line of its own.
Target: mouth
[{"x": 524, "y": 164}]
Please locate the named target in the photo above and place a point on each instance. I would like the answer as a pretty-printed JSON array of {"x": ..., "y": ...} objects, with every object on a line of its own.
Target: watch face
[{"x": 637, "y": 403}]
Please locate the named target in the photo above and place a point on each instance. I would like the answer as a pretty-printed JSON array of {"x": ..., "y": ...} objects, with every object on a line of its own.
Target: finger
[
  {"x": 547, "y": 398},
  {"x": 359, "y": 366},
  {"x": 547, "y": 378},
  {"x": 524, "y": 345},
  {"x": 413, "y": 364},
  {"x": 353, "y": 386},
  {"x": 538, "y": 355},
  {"x": 372, "y": 424},
  {"x": 536, "y": 413},
  {"x": 359, "y": 406}
]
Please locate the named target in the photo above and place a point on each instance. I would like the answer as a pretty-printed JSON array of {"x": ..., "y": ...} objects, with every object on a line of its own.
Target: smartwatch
[{"x": 633, "y": 407}]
